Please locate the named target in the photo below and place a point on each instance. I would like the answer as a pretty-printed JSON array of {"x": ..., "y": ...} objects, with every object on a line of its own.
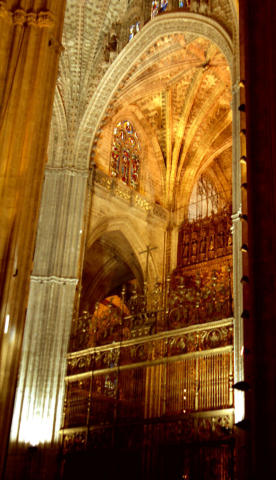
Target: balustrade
[
  {"x": 164, "y": 375},
  {"x": 180, "y": 302}
]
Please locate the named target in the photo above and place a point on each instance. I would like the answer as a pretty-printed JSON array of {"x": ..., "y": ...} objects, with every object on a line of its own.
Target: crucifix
[{"x": 147, "y": 251}]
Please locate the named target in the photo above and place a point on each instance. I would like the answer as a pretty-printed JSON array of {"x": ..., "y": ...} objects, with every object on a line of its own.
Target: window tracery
[
  {"x": 125, "y": 154},
  {"x": 205, "y": 199}
]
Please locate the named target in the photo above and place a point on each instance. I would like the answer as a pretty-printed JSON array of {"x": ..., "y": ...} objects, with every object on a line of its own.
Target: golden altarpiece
[
  {"x": 150, "y": 369},
  {"x": 149, "y": 386},
  {"x": 148, "y": 219}
]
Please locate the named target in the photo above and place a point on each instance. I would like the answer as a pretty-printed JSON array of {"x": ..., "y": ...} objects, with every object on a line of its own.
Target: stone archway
[
  {"x": 123, "y": 227},
  {"x": 56, "y": 264},
  {"x": 121, "y": 68},
  {"x": 109, "y": 263},
  {"x": 114, "y": 79}
]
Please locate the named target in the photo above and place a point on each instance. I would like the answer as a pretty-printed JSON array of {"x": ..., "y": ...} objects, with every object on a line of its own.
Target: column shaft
[{"x": 29, "y": 52}]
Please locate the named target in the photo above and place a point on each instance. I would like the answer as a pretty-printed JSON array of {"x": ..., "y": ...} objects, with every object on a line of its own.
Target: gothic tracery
[{"x": 177, "y": 307}]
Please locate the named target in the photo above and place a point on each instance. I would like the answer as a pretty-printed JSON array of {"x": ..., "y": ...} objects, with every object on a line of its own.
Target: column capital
[
  {"x": 53, "y": 279},
  {"x": 19, "y": 16}
]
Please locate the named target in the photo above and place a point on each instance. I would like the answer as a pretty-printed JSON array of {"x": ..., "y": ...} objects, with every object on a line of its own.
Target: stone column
[
  {"x": 29, "y": 52},
  {"x": 39, "y": 396},
  {"x": 258, "y": 20},
  {"x": 237, "y": 231}
]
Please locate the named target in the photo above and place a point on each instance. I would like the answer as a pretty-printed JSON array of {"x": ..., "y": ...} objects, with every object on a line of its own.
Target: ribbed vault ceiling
[{"x": 182, "y": 87}]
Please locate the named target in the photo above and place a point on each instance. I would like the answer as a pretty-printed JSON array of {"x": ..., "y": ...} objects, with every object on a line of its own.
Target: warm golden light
[
  {"x": 239, "y": 406},
  {"x": 7, "y": 322},
  {"x": 35, "y": 422}
]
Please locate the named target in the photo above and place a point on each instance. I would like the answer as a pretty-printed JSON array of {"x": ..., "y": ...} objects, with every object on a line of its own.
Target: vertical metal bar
[
  {"x": 89, "y": 402},
  {"x": 196, "y": 383}
]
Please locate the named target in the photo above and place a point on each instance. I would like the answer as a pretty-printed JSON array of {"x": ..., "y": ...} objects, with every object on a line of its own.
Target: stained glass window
[
  {"x": 184, "y": 3},
  {"x": 135, "y": 28},
  {"x": 125, "y": 154},
  {"x": 154, "y": 8},
  {"x": 158, "y": 6}
]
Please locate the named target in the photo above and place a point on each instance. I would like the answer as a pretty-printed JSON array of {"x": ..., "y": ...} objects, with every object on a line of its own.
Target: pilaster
[
  {"x": 54, "y": 280},
  {"x": 237, "y": 231}
]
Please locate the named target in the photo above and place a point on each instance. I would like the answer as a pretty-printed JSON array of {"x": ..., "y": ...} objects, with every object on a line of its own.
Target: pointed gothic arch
[
  {"x": 113, "y": 80},
  {"x": 163, "y": 25},
  {"x": 127, "y": 229}
]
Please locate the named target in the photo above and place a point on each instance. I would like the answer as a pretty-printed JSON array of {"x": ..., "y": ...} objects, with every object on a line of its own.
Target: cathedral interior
[{"x": 138, "y": 256}]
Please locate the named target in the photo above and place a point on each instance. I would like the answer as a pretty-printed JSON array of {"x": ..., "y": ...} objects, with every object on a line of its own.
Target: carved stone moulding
[{"x": 129, "y": 196}]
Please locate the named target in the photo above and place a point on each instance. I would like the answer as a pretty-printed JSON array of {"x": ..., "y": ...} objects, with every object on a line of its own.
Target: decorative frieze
[
  {"x": 129, "y": 195},
  {"x": 153, "y": 349},
  {"x": 145, "y": 391}
]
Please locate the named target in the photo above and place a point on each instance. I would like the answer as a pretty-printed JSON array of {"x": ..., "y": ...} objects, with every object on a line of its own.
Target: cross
[{"x": 147, "y": 251}]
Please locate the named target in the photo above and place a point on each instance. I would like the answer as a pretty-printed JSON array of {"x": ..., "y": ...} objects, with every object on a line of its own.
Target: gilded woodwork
[
  {"x": 191, "y": 299},
  {"x": 72, "y": 160},
  {"x": 157, "y": 348},
  {"x": 205, "y": 239},
  {"x": 158, "y": 364}
]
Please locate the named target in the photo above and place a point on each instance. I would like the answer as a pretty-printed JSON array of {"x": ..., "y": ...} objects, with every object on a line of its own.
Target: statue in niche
[
  {"x": 186, "y": 244},
  {"x": 229, "y": 238},
  {"x": 194, "y": 5},
  {"x": 204, "y": 6},
  {"x": 213, "y": 338},
  {"x": 220, "y": 237},
  {"x": 163, "y": 5},
  {"x": 229, "y": 234},
  {"x": 110, "y": 50},
  {"x": 203, "y": 245},
  {"x": 194, "y": 246},
  {"x": 211, "y": 248}
]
